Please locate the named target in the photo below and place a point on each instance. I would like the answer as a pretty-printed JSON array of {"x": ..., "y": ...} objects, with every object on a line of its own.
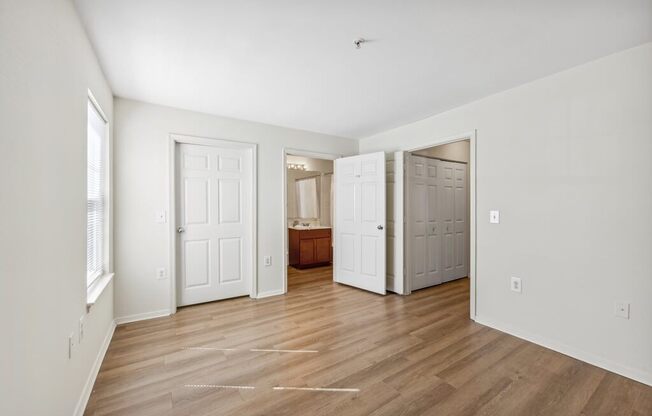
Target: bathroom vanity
[{"x": 309, "y": 246}]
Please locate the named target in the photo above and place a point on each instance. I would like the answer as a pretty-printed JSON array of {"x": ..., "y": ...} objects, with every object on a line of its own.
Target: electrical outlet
[
  {"x": 71, "y": 343},
  {"x": 268, "y": 260},
  {"x": 621, "y": 309},
  {"x": 515, "y": 284},
  {"x": 81, "y": 329},
  {"x": 161, "y": 273}
]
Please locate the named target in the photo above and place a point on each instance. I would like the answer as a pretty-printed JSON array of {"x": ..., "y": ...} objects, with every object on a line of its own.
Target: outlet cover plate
[
  {"x": 515, "y": 285},
  {"x": 161, "y": 273}
]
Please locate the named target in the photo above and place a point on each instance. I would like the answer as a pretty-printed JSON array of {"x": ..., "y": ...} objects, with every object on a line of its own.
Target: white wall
[
  {"x": 566, "y": 159},
  {"x": 46, "y": 68},
  {"x": 142, "y": 187}
]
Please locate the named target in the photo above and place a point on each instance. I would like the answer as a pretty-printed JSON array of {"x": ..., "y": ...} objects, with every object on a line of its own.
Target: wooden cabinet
[{"x": 310, "y": 248}]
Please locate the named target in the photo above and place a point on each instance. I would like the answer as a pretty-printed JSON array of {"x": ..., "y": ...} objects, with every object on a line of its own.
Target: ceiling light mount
[{"x": 358, "y": 42}]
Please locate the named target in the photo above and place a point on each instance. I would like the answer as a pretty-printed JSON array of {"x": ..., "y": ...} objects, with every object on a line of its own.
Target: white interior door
[
  {"x": 453, "y": 211},
  {"x": 461, "y": 226},
  {"x": 214, "y": 220},
  {"x": 437, "y": 221},
  {"x": 359, "y": 258},
  {"x": 394, "y": 171},
  {"x": 425, "y": 231},
  {"x": 447, "y": 212}
]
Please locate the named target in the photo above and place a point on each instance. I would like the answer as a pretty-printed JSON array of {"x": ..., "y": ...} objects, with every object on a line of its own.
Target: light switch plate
[
  {"x": 162, "y": 217},
  {"x": 268, "y": 260},
  {"x": 71, "y": 343},
  {"x": 494, "y": 217},
  {"x": 621, "y": 309}
]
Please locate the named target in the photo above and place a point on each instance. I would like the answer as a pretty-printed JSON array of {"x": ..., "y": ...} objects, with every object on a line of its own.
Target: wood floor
[{"x": 393, "y": 355}]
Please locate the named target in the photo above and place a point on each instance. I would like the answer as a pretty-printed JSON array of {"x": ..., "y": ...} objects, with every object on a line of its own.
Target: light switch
[
  {"x": 161, "y": 217},
  {"x": 621, "y": 309},
  {"x": 494, "y": 217}
]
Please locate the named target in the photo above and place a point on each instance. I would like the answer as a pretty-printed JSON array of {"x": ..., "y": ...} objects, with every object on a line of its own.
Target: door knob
[
  {"x": 181, "y": 230},
  {"x": 380, "y": 227}
]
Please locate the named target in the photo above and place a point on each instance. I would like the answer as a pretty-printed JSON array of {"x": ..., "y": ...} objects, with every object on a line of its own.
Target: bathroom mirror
[{"x": 307, "y": 197}]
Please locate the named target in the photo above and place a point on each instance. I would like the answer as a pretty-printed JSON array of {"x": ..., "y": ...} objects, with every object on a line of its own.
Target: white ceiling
[{"x": 292, "y": 62}]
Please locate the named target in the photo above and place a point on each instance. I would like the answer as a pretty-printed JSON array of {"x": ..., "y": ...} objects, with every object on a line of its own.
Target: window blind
[{"x": 95, "y": 195}]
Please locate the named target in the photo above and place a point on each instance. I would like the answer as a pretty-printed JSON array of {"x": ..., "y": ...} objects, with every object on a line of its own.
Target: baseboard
[
  {"x": 625, "y": 371},
  {"x": 142, "y": 316},
  {"x": 270, "y": 293},
  {"x": 88, "y": 387}
]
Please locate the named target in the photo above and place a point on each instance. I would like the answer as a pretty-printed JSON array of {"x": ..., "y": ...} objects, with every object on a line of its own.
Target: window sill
[{"x": 96, "y": 289}]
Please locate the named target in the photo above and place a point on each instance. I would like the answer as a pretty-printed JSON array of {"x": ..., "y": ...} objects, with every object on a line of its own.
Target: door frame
[
  {"x": 175, "y": 139},
  {"x": 284, "y": 214},
  {"x": 473, "y": 277}
]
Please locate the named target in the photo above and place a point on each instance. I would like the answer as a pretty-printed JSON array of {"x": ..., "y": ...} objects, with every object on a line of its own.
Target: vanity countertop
[{"x": 308, "y": 227}]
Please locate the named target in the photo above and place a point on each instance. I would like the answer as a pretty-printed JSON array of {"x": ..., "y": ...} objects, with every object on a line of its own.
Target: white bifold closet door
[{"x": 437, "y": 229}]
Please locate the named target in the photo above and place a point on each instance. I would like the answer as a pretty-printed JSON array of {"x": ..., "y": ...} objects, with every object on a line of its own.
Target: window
[
  {"x": 95, "y": 193},
  {"x": 307, "y": 198}
]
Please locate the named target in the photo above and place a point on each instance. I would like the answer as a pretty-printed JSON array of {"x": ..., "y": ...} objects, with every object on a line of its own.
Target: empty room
[{"x": 305, "y": 207}]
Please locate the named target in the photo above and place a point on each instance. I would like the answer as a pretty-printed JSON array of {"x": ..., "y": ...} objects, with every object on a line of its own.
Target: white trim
[
  {"x": 96, "y": 104},
  {"x": 596, "y": 360},
  {"x": 284, "y": 204},
  {"x": 95, "y": 290},
  {"x": 398, "y": 284},
  {"x": 271, "y": 293},
  {"x": 95, "y": 369},
  {"x": 107, "y": 253},
  {"x": 472, "y": 137},
  {"x": 180, "y": 138},
  {"x": 473, "y": 226},
  {"x": 142, "y": 316}
]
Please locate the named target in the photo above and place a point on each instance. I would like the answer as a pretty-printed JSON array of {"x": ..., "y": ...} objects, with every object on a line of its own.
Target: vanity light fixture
[{"x": 296, "y": 166}]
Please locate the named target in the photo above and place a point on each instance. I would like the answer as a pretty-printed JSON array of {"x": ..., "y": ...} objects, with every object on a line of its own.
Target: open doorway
[
  {"x": 349, "y": 200},
  {"x": 308, "y": 217},
  {"x": 438, "y": 214}
]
